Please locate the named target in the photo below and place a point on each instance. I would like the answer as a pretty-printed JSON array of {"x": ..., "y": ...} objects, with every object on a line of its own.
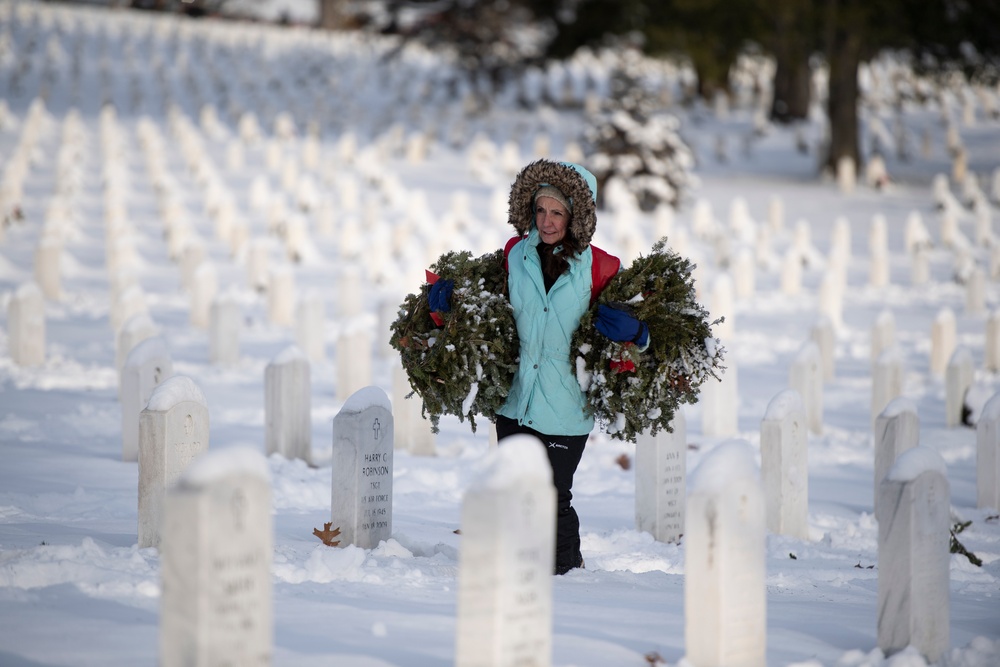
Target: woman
[{"x": 554, "y": 275}]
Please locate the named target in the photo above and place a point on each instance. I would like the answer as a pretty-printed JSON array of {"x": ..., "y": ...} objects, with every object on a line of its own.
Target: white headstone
[
  {"x": 26, "y": 325},
  {"x": 362, "y": 469},
  {"x": 225, "y": 324},
  {"x": 831, "y": 298},
  {"x": 784, "y": 465},
  {"x": 822, "y": 333},
  {"x": 660, "y": 475},
  {"x": 725, "y": 599},
  {"x": 887, "y": 379},
  {"x": 943, "y": 336},
  {"x": 920, "y": 271},
  {"x": 504, "y": 609},
  {"x": 204, "y": 287},
  {"x": 745, "y": 273},
  {"x": 883, "y": 333},
  {"x": 988, "y": 455},
  {"x": 47, "y": 274},
  {"x": 897, "y": 429},
  {"x": 288, "y": 406},
  {"x": 913, "y": 555},
  {"x": 776, "y": 214},
  {"x": 847, "y": 174},
  {"x": 146, "y": 366},
  {"x": 310, "y": 327},
  {"x": 173, "y": 431},
  {"x": 258, "y": 264},
  {"x": 806, "y": 377},
  {"x": 132, "y": 301},
  {"x": 719, "y": 404},
  {"x": 975, "y": 292},
  {"x": 215, "y": 563},
  {"x": 958, "y": 379},
  {"x": 414, "y": 432},
  {"x": 354, "y": 362},
  {"x": 992, "y": 346},
  {"x": 791, "y": 273},
  {"x": 135, "y": 330},
  {"x": 281, "y": 296},
  {"x": 840, "y": 243},
  {"x": 878, "y": 276}
]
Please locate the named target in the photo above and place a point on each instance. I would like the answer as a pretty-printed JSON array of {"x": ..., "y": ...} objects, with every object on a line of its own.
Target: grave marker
[
  {"x": 26, "y": 325},
  {"x": 173, "y": 431},
  {"x": 920, "y": 271},
  {"x": 719, "y": 404},
  {"x": 992, "y": 347},
  {"x": 362, "y": 469},
  {"x": 504, "y": 609},
  {"x": 146, "y": 366},
  {"x": 281, "y": 296},
  {"x": 215, "y": 563},
  {"x": 725, "y": 601},
  {"x": 135, "y": 330},
  {"x": 913, "y": 513},
  {"x": 660, "y": 473},
  {"x": 883, "y": 333},
  {"x": 204, "y": 287},
  {"x": 310, "y": 327},
  {"x": 785, "y": 466},
  {"x": 225, "y": 323},
  {"x": 288, "y": 406},
  {"x": 47, "y": 257},
  {"x": 975, "y": 292},
  {"x": 942, "y": 340},
  {"x": 354, "y": 361},
  {"x": 897, "y": 429},
  {"x": 806, "y": 377},
  {"x": 823, "y": 335},
  {"x": 958, "y": 379},
  {"x": 988, "y": 455}
]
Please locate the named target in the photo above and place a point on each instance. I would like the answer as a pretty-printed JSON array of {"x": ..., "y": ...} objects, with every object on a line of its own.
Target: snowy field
[{"x": 376, "y": 187}]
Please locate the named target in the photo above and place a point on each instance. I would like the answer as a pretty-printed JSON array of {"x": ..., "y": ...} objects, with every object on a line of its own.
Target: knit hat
[{"x": 554, "y": 193}]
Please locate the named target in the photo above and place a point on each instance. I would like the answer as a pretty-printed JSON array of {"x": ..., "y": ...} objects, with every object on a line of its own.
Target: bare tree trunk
[
  {"x": 844, "y": 56},
  {"x": 332, "y": 14},
  {"x": 792, "y": 73}
]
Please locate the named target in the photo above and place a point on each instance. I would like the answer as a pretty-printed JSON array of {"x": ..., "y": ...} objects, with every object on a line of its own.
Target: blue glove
[
  {"x": 439, "y": 297},
  {"x": 617, "y": 323}
]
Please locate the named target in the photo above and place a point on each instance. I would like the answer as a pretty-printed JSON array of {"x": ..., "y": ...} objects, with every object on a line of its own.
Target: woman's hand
[{"x": 616, "y": 322}]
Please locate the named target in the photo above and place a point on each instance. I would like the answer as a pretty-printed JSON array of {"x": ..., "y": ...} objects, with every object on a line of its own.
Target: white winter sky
[{"x": 74, "y": 587}]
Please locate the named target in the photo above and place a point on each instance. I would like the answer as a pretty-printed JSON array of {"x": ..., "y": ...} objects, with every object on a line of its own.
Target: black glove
[
  {"x": 439, "y": 296},
  {"x": 617, "y": 323}
]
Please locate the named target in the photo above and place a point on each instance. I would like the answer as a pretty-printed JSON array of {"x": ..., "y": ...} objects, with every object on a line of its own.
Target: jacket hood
[{"x": 575, "y": 182}]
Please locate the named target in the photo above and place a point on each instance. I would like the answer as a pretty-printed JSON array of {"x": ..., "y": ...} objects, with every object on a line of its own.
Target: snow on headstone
[
  {"x": 225, "y": 324},
  {"x": 784, "y": 465},
  {"x": 504, "y": 608},
  {"x": 415, "y": 432},
  {"x": 719, "y": 404},
  {"x": 943, "y": 336},
  {"x": 215, "y": 563},
  {"x": 725, "y": 600},
  {"x": 913, "y": 555},
  {"x": 362, "y": 469},
  {"x": 26, "y": 325},
  {"x": 146, "y": 366},
  {"x": 310, "y": 327},
  {"x": 822, "y": 333},
  {"x": 173, "y": 431},
  {"x": 988, "y": 455},
  {"x": 288, "y": 405},
  {"x": 806, "y": 377},
  {"x": 958, "y": 379},
  {"x": 897, "y": 429},
  {"x": 723, "y": 306},
  {"x": 660, "y": 473},
  {"x": 992, "y": 346},
  {"x": 887, "y": 378}
]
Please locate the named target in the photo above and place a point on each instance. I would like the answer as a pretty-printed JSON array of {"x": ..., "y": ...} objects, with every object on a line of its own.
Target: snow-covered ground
[{"x": 75, "y": 589}]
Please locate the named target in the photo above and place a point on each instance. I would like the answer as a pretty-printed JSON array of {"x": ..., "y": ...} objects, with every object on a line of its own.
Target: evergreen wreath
[
  {"x": 631, "y": 392},
  {"x": 465, "y": 366}
]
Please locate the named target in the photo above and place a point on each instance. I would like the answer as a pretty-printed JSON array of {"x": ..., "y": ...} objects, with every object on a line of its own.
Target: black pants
[{"x": 565, "y": 452}]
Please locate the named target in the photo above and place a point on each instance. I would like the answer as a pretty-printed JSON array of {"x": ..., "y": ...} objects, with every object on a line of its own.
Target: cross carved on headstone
[{"x": 376, "y": 427}]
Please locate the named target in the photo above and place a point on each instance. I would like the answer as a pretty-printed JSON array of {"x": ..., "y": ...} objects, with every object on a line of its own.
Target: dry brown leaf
[
  {"x": 327, "y": 535},
  {"x": 624, "y": 461}
]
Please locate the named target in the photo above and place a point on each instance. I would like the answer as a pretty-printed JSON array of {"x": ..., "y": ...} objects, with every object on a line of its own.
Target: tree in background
[{"x": 791, "y": 36}]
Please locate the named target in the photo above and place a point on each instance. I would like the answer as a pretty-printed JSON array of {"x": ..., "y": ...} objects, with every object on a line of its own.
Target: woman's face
[{"x": 551, "y": 219}]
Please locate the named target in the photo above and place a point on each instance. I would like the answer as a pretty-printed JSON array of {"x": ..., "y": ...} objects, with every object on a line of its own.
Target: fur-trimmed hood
[{"x": 575, "y": 182}]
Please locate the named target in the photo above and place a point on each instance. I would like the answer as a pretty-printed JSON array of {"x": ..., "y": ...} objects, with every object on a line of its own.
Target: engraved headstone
[
  {"x": 173, "y": 431},
  {"x": 988, "y": 455},
  {"x": 897, "y": 429},
  {"x": 943, "y": 337},
  {"x": 146, "y": 366},
  {"x": 288, "y": 406},
  {"x": 26, "y": 325},
  {"x": 913, "y": 555},
  {"x": 725, "y": 601},
  {"x": 806, "y": 377},
  {"x": 958, "y": 379},
  {"x": 215, "y": 563},
  {"x": 660, "y": 475},
  {"x": 362, "y": 469},
  {"x": 504, "y": 609},
  {"x": 784, "y": 465}
]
